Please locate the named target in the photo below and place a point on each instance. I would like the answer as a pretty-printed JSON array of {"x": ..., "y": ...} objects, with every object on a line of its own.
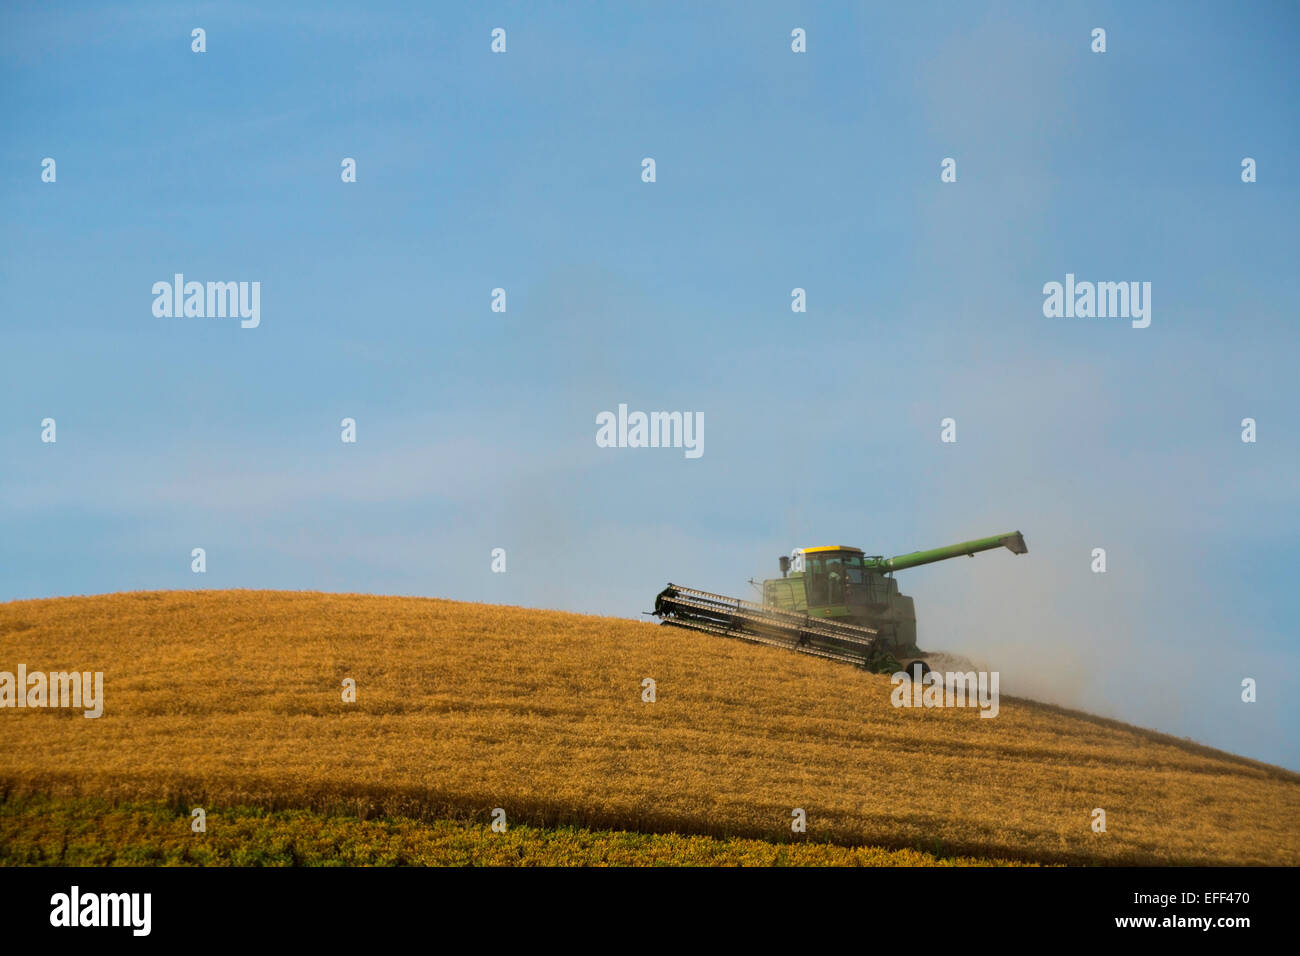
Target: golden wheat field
[{"x": 234, "y": 699}]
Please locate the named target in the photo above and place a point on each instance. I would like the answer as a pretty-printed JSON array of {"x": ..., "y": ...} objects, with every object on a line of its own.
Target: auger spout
[{"x": 1013, "y": 541}]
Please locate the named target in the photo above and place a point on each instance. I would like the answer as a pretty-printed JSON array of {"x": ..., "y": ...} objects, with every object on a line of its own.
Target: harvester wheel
[{"x": 916, "y": 670}]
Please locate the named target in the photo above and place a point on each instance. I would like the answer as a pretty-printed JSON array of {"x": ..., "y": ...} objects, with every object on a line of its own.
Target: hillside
[{"x": 233, "y": 699}]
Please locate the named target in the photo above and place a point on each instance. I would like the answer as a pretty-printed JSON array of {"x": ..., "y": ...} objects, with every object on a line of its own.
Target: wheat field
[{"x": 234, "y": 699}]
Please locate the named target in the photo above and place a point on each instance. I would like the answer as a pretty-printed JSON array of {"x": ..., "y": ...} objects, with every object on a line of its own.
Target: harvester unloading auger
[{"x": 832, "y": 602}]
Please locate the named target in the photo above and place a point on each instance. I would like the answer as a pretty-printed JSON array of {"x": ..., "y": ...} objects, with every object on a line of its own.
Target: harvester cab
[
  {"x": 844, "y": 584},
  {"x": 833, "y": 601}
]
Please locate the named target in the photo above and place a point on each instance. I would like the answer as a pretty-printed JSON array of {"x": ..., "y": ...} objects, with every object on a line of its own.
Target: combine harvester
[{"x": 832, "y": 602}]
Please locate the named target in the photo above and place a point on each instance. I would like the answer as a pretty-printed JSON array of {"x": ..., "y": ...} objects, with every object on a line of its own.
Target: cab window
[
  {"x": 835, "y": 579},
  {"x": 816, "y": 578}
]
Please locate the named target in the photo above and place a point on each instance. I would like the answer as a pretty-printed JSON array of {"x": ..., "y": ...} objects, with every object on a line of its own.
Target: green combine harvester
[{"x": 832, "y": 602}]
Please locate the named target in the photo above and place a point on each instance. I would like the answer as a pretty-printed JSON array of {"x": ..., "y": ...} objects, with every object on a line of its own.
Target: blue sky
[{"x": 774, "y": 171}]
